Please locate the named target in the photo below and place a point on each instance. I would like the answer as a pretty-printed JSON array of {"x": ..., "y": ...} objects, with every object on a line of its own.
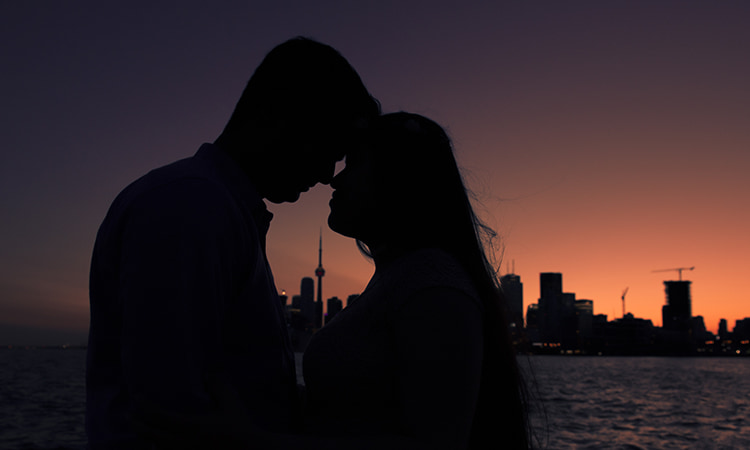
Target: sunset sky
[{"x": 603, "y": 139}]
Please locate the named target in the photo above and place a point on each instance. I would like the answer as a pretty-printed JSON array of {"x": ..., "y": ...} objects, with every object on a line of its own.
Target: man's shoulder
[
  {"x": 202, "y": 192},
  {"x": 180, "y": 178},
  {"x": 208, "y": 175},
  {"x": 176, "y": 191}
]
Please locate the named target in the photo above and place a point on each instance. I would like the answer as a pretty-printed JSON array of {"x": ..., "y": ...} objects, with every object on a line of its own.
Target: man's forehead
[{"x": 341, "y": 135}]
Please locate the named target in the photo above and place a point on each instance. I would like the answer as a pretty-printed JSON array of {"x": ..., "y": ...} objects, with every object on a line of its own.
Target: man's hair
[{"x": 301, "y": 82}]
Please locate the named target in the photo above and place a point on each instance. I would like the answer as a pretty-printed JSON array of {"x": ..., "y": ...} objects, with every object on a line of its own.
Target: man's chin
[{"x": 287, "y": 197}]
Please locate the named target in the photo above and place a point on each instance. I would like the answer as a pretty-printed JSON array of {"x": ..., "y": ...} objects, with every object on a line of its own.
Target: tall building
[
  {"x": 584, "y": 307},
  {"x": 513, "y": 291},
  {"x": 334, "y": 306},
  {"x": 677, "y": 313},
  {"x": 350, "y": 299},
  {"x": 532, "y": 323},
  {"x": 284, "y": 300},
  {"x": 307, "y": 301},
  {"x": 723, "y": 330},
  {"x": 741, "y": 329},
  {"x": 568, "y": 321},
  {"x": 319, "y": 272},
  {"x": 584, "y": 317},
  {"x": 550, "y": 285},
  {"x": 699, "y": 332},
  {"x": 550, "y": 306}
]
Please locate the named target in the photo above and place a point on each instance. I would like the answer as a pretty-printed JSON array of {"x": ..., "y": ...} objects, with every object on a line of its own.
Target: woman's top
[{"x": 404, "y": 357}]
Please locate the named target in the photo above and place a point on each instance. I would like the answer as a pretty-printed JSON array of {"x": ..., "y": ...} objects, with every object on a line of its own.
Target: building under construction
[{"x": 677, "y": 314}]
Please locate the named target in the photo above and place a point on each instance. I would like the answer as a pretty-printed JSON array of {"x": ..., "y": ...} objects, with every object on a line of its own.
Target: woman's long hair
[{"x": 428, "y": 198}]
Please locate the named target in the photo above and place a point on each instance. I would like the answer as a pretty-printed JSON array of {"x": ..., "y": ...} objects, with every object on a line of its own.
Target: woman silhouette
[{"x": 425, "y": 350}]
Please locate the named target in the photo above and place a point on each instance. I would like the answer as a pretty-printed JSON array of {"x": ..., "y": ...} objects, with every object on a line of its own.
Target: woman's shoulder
[
  {"x": 426, "y": 269},
  {"x": 428, "y": 261}
]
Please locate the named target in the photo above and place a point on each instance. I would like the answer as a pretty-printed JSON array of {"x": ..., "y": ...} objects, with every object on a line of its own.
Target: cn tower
[{"x": 320, "y": 272}]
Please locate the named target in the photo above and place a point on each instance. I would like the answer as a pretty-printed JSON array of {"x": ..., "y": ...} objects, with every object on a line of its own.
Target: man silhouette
[{"x": 180, "y": 289}]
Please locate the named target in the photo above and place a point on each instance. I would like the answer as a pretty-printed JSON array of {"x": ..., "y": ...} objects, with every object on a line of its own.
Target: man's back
[{"x": 181, "y": 294}]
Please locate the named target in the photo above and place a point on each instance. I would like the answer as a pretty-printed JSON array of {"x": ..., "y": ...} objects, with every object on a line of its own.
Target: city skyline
[
  {"x": 517, "y": 289},
  {"x": 561, "y": 323},
  {"x": 614, "y": 315},
  {"x": 602, "y": 140}
]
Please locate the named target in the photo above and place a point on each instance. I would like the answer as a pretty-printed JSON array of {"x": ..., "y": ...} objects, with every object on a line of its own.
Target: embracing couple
[{"x": 188, "y": 344}]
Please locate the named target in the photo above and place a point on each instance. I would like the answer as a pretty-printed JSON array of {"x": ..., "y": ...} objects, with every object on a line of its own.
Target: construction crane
[
  {"x": 679, "y": 270},
  {"x": 623, "y": 301}
]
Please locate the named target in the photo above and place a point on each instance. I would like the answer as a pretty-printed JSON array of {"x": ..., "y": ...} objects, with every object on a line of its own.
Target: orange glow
[
  {"x": 597, "y": 262},
  {"x": 602, "y": 141}
]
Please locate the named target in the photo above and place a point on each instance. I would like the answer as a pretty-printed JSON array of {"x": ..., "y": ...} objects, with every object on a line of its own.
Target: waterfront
[
  {"x": 588, "y": 402},
  {"x": 642, "y": 402}
]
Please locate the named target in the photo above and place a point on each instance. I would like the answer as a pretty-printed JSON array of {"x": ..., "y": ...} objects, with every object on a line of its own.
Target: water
[
  {"x": 589, "y": 402},
  {"x": 42, "y": 399},
  {"x": 643, "y": 402}
]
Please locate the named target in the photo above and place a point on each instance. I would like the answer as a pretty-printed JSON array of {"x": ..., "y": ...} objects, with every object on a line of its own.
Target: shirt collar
[{"x": 239, "y": 183}]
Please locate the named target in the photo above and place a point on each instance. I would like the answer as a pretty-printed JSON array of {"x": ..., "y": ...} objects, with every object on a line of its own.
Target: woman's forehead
[{"x": 358, "y": 153}]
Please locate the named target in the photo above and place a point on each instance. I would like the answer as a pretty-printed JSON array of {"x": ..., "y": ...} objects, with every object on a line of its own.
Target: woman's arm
[{"x": 439, "y": 348}]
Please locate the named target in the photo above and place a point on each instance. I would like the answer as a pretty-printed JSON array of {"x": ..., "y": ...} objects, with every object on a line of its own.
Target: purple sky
[{"x": 605, "y": 140}]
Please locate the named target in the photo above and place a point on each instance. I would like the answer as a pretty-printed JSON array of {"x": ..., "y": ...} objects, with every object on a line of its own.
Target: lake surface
[
  {"x": 581, "y": 402},
  {"x": 642, "y": 402}
]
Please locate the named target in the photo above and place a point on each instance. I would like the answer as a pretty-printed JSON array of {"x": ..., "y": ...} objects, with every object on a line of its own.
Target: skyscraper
[
  {"x": 532, "y": 322},
  {"x": 723, "y": 330},
  {"x": 568, "y": 320},
  {"x": 677, "y": 313},
  {"x": 307, "y": 302},
  {"x": 550, "y": 306},
  {"x": 334, "y": 306},
  {"x": 319, "y": 272},
  {"x": 584, "y": 318},
  {"x": 513, "y": 291}
]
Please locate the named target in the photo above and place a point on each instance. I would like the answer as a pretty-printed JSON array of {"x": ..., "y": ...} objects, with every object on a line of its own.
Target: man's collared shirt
[{"x": 181, "y": 296}]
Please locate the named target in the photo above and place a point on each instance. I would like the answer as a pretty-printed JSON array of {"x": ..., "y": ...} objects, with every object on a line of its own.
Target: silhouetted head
[
  {"x": 401, "y": 187},
  {"x": 296, "y": 118}
]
